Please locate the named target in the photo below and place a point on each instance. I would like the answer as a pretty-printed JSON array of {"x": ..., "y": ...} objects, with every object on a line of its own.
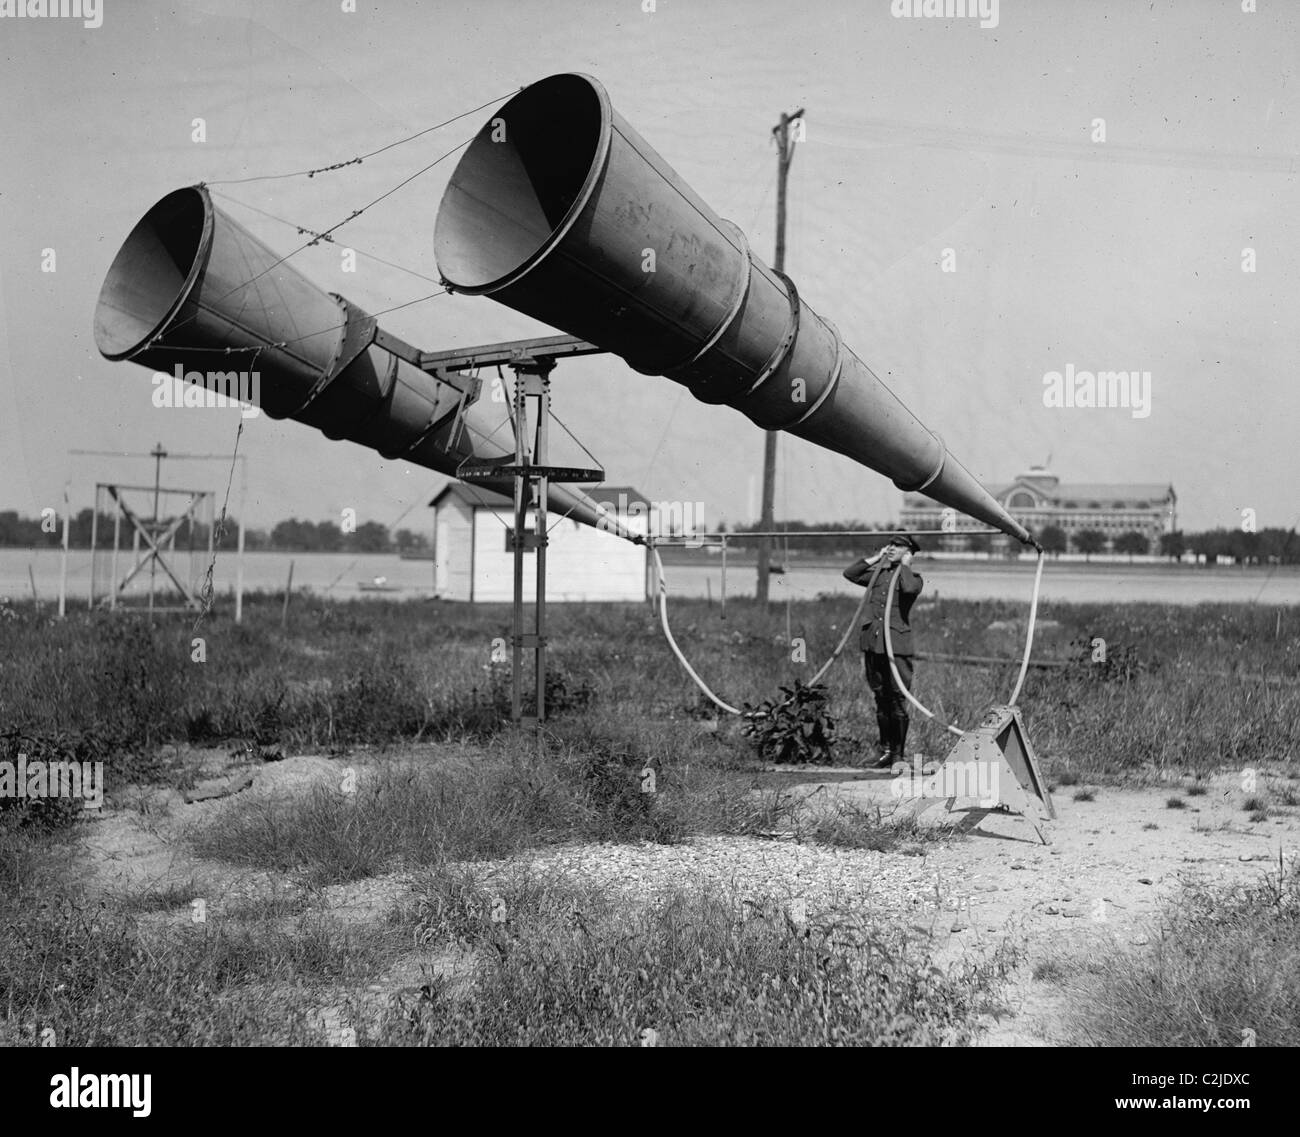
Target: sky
[{"x": 1122, "y": 251}]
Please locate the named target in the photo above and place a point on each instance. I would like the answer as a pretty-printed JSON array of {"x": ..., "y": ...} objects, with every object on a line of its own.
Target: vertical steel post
[
  {"x": 517, "y": 546},
  {"x": 543, "y": 380}
]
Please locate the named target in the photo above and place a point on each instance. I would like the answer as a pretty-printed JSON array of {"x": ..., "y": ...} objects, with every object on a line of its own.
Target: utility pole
[{"x": 785, "y": 153}]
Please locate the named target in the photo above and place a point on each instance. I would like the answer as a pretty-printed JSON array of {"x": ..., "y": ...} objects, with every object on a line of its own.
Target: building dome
[{"x": 1039, "y": 476}]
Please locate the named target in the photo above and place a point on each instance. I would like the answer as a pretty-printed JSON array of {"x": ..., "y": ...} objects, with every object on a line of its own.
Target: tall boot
[
  {"x": 888, "y": 744},
  {"x": 901, "y": 724}
]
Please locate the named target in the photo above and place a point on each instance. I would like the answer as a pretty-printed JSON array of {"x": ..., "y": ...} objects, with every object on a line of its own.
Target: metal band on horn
[
  {"x": 921, "y": 487},
  {"x": 787, "y": 341}
]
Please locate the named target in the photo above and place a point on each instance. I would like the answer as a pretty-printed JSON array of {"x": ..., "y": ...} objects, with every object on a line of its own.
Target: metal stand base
[{"x": 1001, "y": 737}]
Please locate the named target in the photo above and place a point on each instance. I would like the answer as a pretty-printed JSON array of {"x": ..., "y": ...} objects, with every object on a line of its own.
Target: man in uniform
[{"x": 874, "y": 574}]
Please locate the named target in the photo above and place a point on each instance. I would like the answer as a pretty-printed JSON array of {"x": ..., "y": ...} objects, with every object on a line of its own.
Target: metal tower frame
[{"x": 532, "y": 361}]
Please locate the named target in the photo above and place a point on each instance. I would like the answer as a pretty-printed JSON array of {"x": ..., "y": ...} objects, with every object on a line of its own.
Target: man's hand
[{"x": 906, "y": 558}]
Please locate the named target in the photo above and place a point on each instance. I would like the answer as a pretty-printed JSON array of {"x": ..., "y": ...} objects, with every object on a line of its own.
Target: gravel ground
[{"x": 812, "y": 883}]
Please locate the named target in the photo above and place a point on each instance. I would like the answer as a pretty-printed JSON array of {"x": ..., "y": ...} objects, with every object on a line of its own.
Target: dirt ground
[
  {"x": 1106, "y": 868},
  {"x": 1109, "y": 866}
]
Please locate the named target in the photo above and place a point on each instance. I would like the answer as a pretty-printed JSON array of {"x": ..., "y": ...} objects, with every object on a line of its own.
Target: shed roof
[{"x": 479, "y": 497}]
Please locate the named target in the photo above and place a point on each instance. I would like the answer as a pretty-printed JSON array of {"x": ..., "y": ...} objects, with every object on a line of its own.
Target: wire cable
[
  {"x": 304, "y": 230},
  {"x": 325, "y": 236},
  {"x": 361, "y": 157},
  {"x": 319, "y": 332}
]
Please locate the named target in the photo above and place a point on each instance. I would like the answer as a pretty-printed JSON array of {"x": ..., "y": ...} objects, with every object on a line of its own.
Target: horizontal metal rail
[
  {"x": 718, "y": 537},
  {"x": 498, "y": 354},
  {"x": 931, "y": 657},
  {"x": 1081, "y": 664}
]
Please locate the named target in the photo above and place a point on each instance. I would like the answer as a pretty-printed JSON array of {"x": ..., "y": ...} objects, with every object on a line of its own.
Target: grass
[
  {"x": 510, "y": 798},
  {"x": 567, "y": 967},
  {"x": 567, "y": 964},
  {"x": 1051, "y": 970},
  {"x": 844, "y": 825},
  {"x": 553, "y": 961},
  {"x": 1224, "y": 961},
  {"x": 101, "y": 978},
  {"x": 1175, "y": 803},
  {"x": 369, "y": 672},
  {"x": 1258, "y": 808},
  {"x": 164, "y": 899},
  {"x": 88, "y": 972}
]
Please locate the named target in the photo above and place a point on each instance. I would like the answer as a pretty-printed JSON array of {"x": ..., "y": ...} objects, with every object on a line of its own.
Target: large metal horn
[
  {"x": 193, "y": 288},
  {"x": 560, "y": 210}
]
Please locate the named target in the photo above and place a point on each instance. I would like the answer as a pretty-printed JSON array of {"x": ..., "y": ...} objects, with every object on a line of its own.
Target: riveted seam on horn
[
  {"x": 787, "y": 341},
  {"x": 921, "y": 487}
]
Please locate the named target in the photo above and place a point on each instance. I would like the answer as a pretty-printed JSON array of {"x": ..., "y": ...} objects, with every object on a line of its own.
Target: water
[
  {"x": 339, "y": 574},
  {"x": 1073, "y": 583}
]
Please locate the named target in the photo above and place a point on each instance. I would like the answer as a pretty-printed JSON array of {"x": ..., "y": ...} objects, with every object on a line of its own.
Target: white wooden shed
[{"x": 473, "y": 562}]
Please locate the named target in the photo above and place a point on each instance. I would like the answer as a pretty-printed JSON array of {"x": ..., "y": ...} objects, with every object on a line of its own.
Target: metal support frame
[
  {"x": 1001, "y": 738},
  {"x": 532, "y": 380},
  {"x": 532, "y": 362},
  {"x": 158, "y": 538}
]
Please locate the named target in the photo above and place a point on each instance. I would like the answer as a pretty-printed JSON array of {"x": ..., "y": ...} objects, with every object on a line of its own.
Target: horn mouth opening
[
  {"x": 522, "y": 183},
  {"x": 153, "y": 272}
]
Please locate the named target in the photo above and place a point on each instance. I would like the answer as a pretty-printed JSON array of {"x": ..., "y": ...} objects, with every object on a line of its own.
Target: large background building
[{"x": 1038, "y": 498}]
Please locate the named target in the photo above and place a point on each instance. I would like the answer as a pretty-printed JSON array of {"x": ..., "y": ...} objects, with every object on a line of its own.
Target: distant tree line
[
  {"x": 1267, "y": 546},
  {"x": 286, "y": 536},
  {"x": 795, "y": 536}
]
